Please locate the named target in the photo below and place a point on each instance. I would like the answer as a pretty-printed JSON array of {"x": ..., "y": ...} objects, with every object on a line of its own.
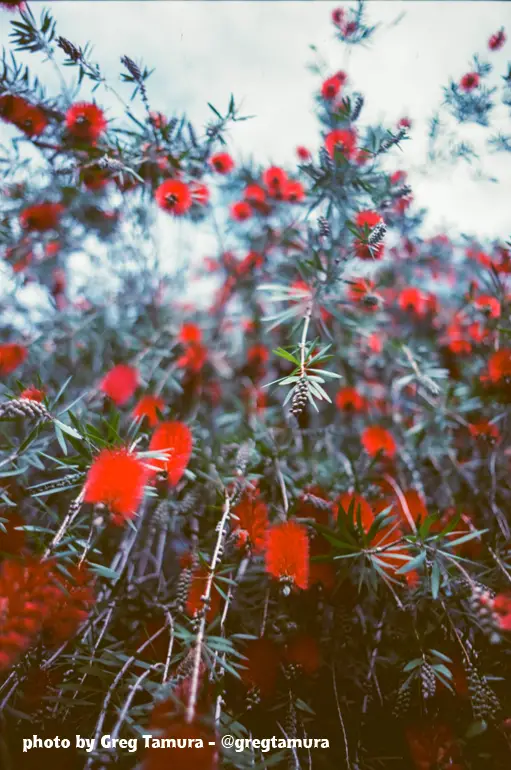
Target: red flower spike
[
  {"x": 33, "y": 394},
  {"x": 341, "y": 140},
  {"x": 222, "y": 162},
  {"x": 41, "y": 217},
  {"x": 13, "y": 5},
  {"x": 175, "y": 440},
  {"x": 174, "y": 196},
  {"x": 117, "y": 479},
  {"x": 469, "y": 81},
  {"x": 85, "y": 121},
  {"x": 499, "y": 365},
  {"x": 250, "y": 522},
  {"x": 352, "y": 500},
  {"x": 190, "y": 333},
  {"x": 197, "y": 587},
  {"x": 261, "y": 668},
  {"x": 350, "y": 400},
  {"x": 287, "y": 553},
  {"x": 241, "y": 211},
  {"x": 12, "y": 355},
  {"x": 199, "y": 193},
  {"x": 120, "y": 383},
  {"x": 255, "y": 195},
  {"x": 303, "y": 650},
  {"x": 303, "y": 153},
  {"x": 376, "y": 439},
  {"x": 497, "y": 40},
  {"x": 330, "y": 88},
  {"x": 294, "y": 192},
  {"x": 275, "y": 178},
  {"x": 148, "y": 408}
]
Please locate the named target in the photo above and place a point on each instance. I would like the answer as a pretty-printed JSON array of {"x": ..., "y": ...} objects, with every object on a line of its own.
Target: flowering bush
[{"x": 285, "y": 513}]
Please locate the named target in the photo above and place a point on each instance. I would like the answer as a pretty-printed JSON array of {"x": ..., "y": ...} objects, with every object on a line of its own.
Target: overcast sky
[{"x": 204, "y": 51}]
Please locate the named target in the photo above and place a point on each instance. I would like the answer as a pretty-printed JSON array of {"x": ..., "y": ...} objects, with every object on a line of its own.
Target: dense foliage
[{"x": 284, "y": 512}]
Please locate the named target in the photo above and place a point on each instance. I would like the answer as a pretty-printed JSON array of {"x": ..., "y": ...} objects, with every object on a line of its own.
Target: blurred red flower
[
  {"x": 376, "y": 439},
  {"x": 41, "y": 217},
  {"x": 497, "y": 40},
  {"x": 261, "y": 667},
  {"x": 341, "y": 140},
  {"x": 222, "y": 162},
  {"x": 12, "y": 355},
  {"x": 85, "y": 121},
  {"x": 251, "y": 524},
  {"x": 174, "y": 439},
  {"x": 117, "y": 479},
  {"x": 148, "y": 408},
  {"x": 120, "y": 383},
  {"x": 174, "y": 196},
  {"x": 241, "y": 211},
  {"x": 287, "y": 553},
  {"x": 350, "y": 400},
  {"x": 469, "y": 81}
]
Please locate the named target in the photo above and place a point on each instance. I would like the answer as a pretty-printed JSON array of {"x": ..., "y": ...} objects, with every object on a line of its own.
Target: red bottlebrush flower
[
  {"x": 241, "y": 210},
  {"x": 222, "y": 162},
  {"x": 410, "y": 506},
  {"x": 306, "y": 509},
  {"x": 362, "y": 292},
  {"x": 94, "y": 178},
  {"x": 190, "y": 333},
  {"x": 254, "y": 194},
  {"x": 350, "y": 400},
  {"x": 294, "y": 192},
  {"x": 303, "y": 153},
  {"x": 497, "y": 40},
  {"x": 148, "y": 408},
  {"x": 33, "y": 394},
  {"x": 174, "y": 439},
  {"x": 341, "y": 140},
  {"x": 330, "y": 88},
  {"x": 199, "y": 193},
  {"x": 117, "y": 479},
  {"x": 287, "y": 553},
  {"x": 368, "y": 219},
  {"x": 404, "y": 123},
  {"x": 13, "y": 5},
  {"x": 194, "y": 357},
  {"x": 120, "y": 383},
  {"x": 398, "y": 177},
  {"x": 375, "y": 342},
  {"x": 303, "y": 651},
  {"x": 376, "y": 439},
  {"x": 469, "y": 81},
  {"x": 275, "y": 178},
  {"x": 174, "y": 196},
  {"x": 360, "y": 507},
  {"x": 41, "y": 217},
  {"x": 362, "y": 157},
  {"x": 252, "y": 515},
  {"x": 261, "y": 667},
  {"x": 338, "y": 16},
  {"x": 28, "y": 118},
  {"x": 501, "y": 606},
  {"x": 196, "y": 591},
  {"x": 431, "y": 746},
  {"x": 12, "y": 355},
  {"x": 499, "y": 365},
  {"x": 85, "y": 121},
  {"x": 413, "y": 300},
  {"x": 484, "y": 429},
  {"x": 73, "y": 609},
  {"x": 28, "y": 595},
  {"x": 489, "y": 305}
]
